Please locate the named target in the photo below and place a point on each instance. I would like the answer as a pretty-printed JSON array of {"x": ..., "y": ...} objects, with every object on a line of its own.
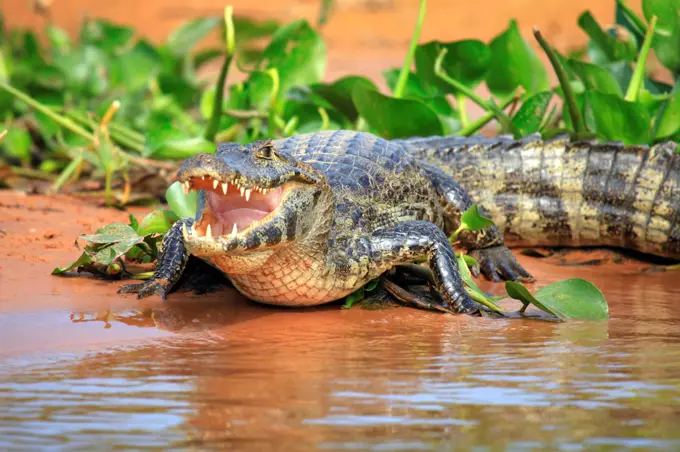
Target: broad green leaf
[
  {"x": 514, "y": 63},
  {"x": 85, "y": 69},
  {"x": 666, "y": 49},
  {"x": 185, "y": 93},
  {"x": 395, "y": 118},
  {"x": 134, "y": 224},
  {"x": 415, "y": 89},
  {"x": 59, "y": 40},
  {"x": 470, "y": 261},
  {"x": 182, "y": 40},
  {"x": 17, "y": 144},
  {"x": 110, "y": 253},
  {"x": 298, "y": 53},
  {"x": 112, "y": 233},
  {"x": 668, "y": 121},
  {"x": 466, "y": 61},
  {"x": 184, "y": 206},
  {"x": 616, "y": 119},
  {"x": 574, "y": 299},
  {"x": 473, "y": 220},
  {"x": 339, "y": 93},
  {"x": 135, "y": 68},
  {"x": 246, "y": 29},
  {"x": 259, "y": 88},
  {"x": 106, "y": 36},
  {"x": 667, "y": 13},
  {"x": 157, "y": 222},
  {"x": 596, "y": 78},
  {"x": 529, "y": 117},
  {"x": 607, "y": 46},
  {"x": 470, "y": 284}
]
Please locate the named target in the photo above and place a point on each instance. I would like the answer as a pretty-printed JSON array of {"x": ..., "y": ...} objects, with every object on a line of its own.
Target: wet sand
[{"x": 83, "y": 367}]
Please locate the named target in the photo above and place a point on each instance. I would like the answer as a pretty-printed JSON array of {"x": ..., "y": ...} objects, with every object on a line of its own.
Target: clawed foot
[
  {"x": 498, "y": 263},
  {"x": 158, "y": 287}
]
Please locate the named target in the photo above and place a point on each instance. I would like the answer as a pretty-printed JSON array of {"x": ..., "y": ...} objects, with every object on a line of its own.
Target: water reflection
[{"x": 249, "y": 377}]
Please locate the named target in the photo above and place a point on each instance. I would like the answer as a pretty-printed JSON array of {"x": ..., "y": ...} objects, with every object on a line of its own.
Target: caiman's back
[
  {"x": 558, "y": 193},
  {"x": 375, "y": 183}
]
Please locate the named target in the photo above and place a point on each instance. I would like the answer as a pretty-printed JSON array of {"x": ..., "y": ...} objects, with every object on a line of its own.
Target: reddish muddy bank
[{"x": 82, "y": 367}]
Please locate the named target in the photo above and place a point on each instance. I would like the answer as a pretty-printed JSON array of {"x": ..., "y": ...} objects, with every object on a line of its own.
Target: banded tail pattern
[{"x": 562, "y": 193}]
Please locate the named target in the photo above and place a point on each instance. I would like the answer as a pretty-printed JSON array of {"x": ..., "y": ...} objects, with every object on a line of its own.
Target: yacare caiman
[{"x": 309, "y": 219}]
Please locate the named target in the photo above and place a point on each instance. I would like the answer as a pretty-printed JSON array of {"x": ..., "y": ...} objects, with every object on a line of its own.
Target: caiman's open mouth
[{"x": 231, "y": 208}]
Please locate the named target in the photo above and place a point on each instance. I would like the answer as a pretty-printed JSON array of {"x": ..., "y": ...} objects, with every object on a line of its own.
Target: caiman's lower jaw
[{"x": 231, "y": 209}]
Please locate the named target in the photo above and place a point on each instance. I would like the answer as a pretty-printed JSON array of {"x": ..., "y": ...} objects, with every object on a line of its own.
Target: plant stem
[
  {"x": 479, "y": 298},
  {"x": 406, "y": 67},
  {"x": 569, "y": 97},
  {"x": 639, "y": 74},
  {"x": 324, "y": 118},
  {"x": 483, "y": 120},
  {"x": 33, "y": 173},
  {"x": 214, "y": 124},
  {"x": 462, "y": 110},
  {"x": 64, "y": 122}
]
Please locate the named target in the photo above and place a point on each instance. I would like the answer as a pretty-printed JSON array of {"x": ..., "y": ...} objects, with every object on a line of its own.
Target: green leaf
[
  {"x": 353, "y": 298},
  {"x": 668, "y": 121},
  {"x": 108, "y": 254},
  {"x": 157, "y": 222},
  {"x": 298, "y": 53},
  {"x": 414, "y": 87},
  {"x": 182, "y": 40},
  {"x": 179, "y": 148},
  {"x": 574, "y": 299},
  {"x": 514, "y": 63},
  {"x": 134, "y": 224},
  {"x": 85, "y": 69},
  {"x": 339, "y": 93},
  {"x": 608, "y": 46},
  {"x": 17, "y": 144},
  {"x": 529, "y": 117},
  {"x": 59, "y": 40},
  {"x": 470, "y": 261},
  {"x": 466, "y": 61},
  {"x": 112, "y": 233},
  {"x": 472, "y": 219},
  {"x": 667, "y": 13},
  {"x": 596, "y": 78},
  {"x": 184, "y": 206},
  {"x": 104, "y": 35},
  {"x": 395, "y": 118},
  {"x": 618, "y": 120},
  {"x": 135, "y": 68},
  {"x": 666, "y": 49},
  {"x": 84, "y": 259}
]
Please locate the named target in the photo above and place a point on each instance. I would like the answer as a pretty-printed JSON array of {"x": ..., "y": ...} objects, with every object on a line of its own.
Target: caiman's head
[{"x": 254, "y": 200}]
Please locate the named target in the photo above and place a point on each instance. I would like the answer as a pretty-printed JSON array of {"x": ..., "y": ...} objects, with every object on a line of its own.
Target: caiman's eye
[{"x": 266, "y": 151}]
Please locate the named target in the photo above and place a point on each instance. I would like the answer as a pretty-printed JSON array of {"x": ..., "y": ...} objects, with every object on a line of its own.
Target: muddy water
[{"x": 83, "y": 368}]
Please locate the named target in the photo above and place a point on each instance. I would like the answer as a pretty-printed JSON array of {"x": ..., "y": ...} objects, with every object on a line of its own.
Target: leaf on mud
[
  {"x": 472, "y": 219},
  {"x": 108, "y": 254},
  {"x": 569, "y": 299},
  {"x": 84, "y": 259},
  {"x": 184, "y": 206},
  {"x": 112, "y": 233}
]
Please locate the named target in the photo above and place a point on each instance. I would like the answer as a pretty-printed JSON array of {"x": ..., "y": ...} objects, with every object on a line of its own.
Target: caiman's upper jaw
[{"x": 230, "y": 207}]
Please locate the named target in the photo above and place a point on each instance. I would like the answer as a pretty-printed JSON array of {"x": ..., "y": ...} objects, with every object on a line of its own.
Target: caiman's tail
[{"x": 562, "y": 193}]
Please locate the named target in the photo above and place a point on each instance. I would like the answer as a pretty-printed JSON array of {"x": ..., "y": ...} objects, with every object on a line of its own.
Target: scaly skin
[
  {"x": 354, "y": 206},
  {"x": 558, "y": 193}
]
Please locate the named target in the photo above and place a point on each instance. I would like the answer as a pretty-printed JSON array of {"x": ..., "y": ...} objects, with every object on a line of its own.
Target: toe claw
[
  {"x": 148, "y": 288},
  {"x": 498, "y": 263}
]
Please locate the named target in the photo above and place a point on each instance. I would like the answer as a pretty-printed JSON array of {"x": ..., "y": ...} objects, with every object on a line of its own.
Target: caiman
[{"x": 309, "y": 219}]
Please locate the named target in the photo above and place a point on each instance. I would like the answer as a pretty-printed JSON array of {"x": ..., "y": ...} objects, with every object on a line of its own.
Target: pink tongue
[{"x": 242, "y": 218}]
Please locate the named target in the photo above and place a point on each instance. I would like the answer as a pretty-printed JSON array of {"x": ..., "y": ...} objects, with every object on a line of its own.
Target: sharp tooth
[
  {"x": 248, "y": 195},
  {"x": 234, "y": 232},
  {"x": 208, "y": 232},
  {"x": 264, "y": 191},
  {"x": 203, "y": 177},
  {"x": 193, "y": 229},
  {"x": 224, "y": 187},
  {"x": 185, "y": 233},
  {"x": 186, "y": 187},
  {"x": 215, "y": 184},
  {"x": 243, "y": 190}
]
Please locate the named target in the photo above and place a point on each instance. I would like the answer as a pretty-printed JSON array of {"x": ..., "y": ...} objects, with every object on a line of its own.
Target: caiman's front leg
[
  {"x": 171, "y": 263},
  {"x": 487, "y": 245},
  {"x": 417, "y": 239}
]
